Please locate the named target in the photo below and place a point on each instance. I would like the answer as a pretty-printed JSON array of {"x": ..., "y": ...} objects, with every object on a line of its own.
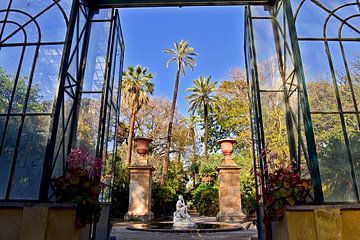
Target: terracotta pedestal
[
  {"x": 140, "y": 185},
  {"x": 229, "y": 186},
  {"x": 140, "y": 194}
]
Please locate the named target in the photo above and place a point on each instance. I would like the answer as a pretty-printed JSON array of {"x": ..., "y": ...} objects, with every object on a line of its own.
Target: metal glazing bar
[
  {"x": 282, "y": 70},
  {"x": 27, "y": 114},
  {"x": 27, "y": 95},
  {"x": 30, "y": 44},
  {"x": 32, "y": 19},
  {"x": 5, "y": 19},
  {"x": 105, "y": 90},
  {"x": 257, "y": 103},
  {"x": 333, "y": 112},
  {"x": 348, "y": 75},
  {"x": 58, "y": 103},
  {"x": 330, "y": 39},
  {"x": 80, "y": 79},
  {"x": 339, "y": 106},
  {"x": 304, "y": 103},
  {"x": 332, "y": 13},
  {"x": 14, "y": 88}
]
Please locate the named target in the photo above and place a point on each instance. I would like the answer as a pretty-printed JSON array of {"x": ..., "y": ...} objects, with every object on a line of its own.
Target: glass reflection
[
  {"x": 96, "y": 58},
  {"x": 45, "y": 78},
  {"x": 7, "y": 152},
  {"x": 30, "y": 158},
  {"x": 88, "y": 123}
]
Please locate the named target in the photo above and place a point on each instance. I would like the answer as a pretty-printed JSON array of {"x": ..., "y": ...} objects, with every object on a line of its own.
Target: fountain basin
[{"x": 168, "y": 227}]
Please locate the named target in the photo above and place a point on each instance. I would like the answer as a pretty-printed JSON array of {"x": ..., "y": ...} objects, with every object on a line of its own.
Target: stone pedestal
[
  {"x": 140, "y": 184},
  {"x": 229, "y": 186},
  {"x": 140, "y": 194},
  {"x": 229, "y": 194}
]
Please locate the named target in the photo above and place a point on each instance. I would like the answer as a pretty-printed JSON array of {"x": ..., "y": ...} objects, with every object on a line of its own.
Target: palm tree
[
  {"x": 136, "y": 86},
  {"x": 203, "y": 97},
  {"x": 183, "y": 54}
]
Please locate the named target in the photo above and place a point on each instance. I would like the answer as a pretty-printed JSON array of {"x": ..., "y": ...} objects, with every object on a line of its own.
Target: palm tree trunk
[
  {"x": 169, "y": 133},
  {"x": 206, "y": 131},
  {"x": 131, "y": 136}
]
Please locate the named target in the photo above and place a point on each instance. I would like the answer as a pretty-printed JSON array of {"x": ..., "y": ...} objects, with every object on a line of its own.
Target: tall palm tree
[
  {"x": 136, "y": 87},
  {"x": 203, "y": 97},
  {"x": 183, "y": 55}
]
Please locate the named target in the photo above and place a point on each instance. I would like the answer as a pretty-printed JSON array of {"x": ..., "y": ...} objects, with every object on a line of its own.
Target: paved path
[{"x": 120, "y": 232}]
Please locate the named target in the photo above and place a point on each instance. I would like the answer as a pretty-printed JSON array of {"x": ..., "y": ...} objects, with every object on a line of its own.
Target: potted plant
[
  {"x": 282, "y": 187},
  {"x": 81, "y": 185}
]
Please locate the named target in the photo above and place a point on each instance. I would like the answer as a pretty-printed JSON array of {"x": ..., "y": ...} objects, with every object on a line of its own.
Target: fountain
[{"x": 182, "y": 222}]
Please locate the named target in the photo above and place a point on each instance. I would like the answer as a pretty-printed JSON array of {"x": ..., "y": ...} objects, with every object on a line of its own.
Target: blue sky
[{"x": 216, "y": 33}]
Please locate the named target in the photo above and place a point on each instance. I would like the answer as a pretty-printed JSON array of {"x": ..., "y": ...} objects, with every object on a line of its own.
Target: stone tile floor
[{"x": 120, "y": 232}]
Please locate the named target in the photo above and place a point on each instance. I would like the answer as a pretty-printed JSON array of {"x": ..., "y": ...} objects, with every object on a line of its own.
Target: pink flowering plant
[{"x": 81, "y": 184}]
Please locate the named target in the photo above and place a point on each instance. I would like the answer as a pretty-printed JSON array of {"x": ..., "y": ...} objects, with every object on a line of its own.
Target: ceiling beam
[{"x": 174, "y": 3}]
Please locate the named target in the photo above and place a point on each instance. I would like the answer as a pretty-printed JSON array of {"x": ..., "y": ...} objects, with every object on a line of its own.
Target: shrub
[
  {"x": 248, "y": 199},
  {"x": 120, "y": 192},
  {"x": 163, "y": 200},
  {"x": 206, "y": 199}
]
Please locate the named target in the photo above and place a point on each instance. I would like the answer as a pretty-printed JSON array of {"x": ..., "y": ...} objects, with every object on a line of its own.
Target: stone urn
[
  {"x": 142, "y": 149},
  {"x": 227, "y": 149}
]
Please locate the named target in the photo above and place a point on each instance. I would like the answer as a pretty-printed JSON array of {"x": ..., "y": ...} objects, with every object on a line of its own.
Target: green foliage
[
  {"x": 137, "y": 85},
  {"x": 183, "y": 54},
  {"x": 163, "y": 200},
  {"x": 164, "y": 197},
  {"x": 207, "y": 172},
  {"x": 248, "y": 198},
  {"x": 120, "y": 191},
  {"x": 206, "y": 199},
  {"x": 6, "y": 85}
]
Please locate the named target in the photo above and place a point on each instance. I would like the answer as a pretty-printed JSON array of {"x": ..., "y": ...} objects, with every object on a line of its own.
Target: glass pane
[
  {"x": 4, "y": 4},
  {"x": 31, "y": 7},
  {"x": 58, "y": 161},
  {"x": 10, "y": 58},
  {"x": 7, "y": 154},
  {"x": 45, "y": 79},
  {"x": 333, "y": 159},
  {"x": 28, "y": 171},
  {"x": 117, "y": 74},
  {"x": 88, "y": 123},
  {"x": 66, "y": 6},
  {"x": 103, "y": 14},
  {"x": 53, "y": 25},
  {"x": 96, "y": 58},
  {"x": 273, "y": 110},
  {"x": 352, "y": 127},
  {"x": 11, "y": 33}
]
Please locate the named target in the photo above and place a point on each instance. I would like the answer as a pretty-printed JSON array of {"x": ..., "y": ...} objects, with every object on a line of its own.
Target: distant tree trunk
[
  {"x": 192, "y": 132},
  {"x": 131, "y": 136},
  {"x": 170, "y": 126},
  {"x": 206, "y": 131}
]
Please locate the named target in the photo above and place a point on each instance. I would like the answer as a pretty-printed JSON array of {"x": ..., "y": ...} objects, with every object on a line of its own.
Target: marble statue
[{"x": 181, "y": 216}]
